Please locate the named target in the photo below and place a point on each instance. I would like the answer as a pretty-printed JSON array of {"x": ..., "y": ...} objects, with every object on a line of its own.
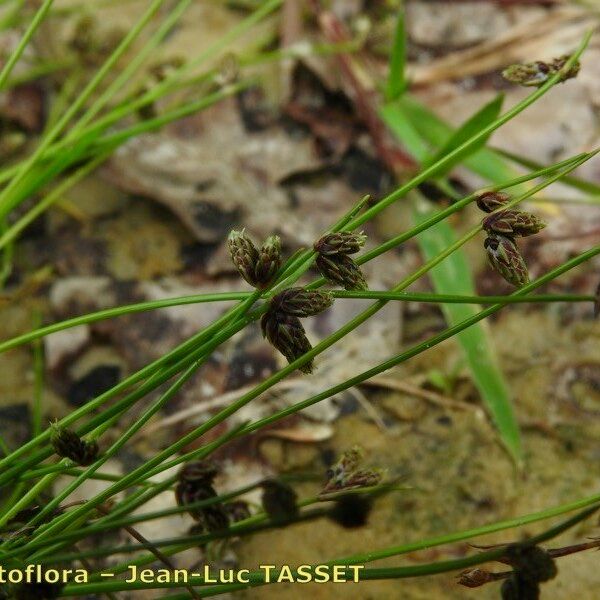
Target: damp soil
[{"x": 460, "y": 475}]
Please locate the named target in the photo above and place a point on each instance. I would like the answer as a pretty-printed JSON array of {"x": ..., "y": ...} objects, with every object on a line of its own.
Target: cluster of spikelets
[
  {"x": 538, "y": 72},
  {"x": 502, "y": 227},
  {"x": 531, "y": 565},
  {"x": 195, "y": 489},
  {"x": 281, "y": 324},
  {"x": 194, "y": 486},
  {"x": 257, "y": 266}
]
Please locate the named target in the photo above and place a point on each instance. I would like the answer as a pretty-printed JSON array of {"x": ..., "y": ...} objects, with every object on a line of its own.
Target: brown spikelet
[
  {"x": 279, "y": 500},
  {"x": 301, "y": 303},
  {"x": 504, "y": 256},
  {"x": 341, "y": 242},
  {"x": 68, "y": 444},
  {"x": 244, "y": 255},
  {"x": 513, "y": 222},
  {"x": 195, "y": 484},
  {"x": 341, "y": 270},
  {"x": 538, "y": 72},
  {"x": 269, "y": 261},
  {"x": 490, "y": 201},
  {"x": 286, "y": 333}
]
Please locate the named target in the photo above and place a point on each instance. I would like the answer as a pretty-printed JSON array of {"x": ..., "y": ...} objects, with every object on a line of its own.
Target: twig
[
  {"x": 164, "y": 559},
  {"x": 413, "y": 390},
  {"x": 395, "y": 159}
]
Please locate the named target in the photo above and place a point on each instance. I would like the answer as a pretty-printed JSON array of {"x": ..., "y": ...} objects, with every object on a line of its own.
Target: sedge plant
[{"x": 79, "y": 141}]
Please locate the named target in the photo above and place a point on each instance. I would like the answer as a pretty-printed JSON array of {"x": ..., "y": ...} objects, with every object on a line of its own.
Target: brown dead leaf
[{"x": 214, "y": 175}]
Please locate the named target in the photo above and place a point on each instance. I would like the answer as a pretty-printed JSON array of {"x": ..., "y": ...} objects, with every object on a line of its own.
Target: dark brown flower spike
[
  {"x": 279, "y": 500},
  {"x": 286, "y": 333},
  {"x": 531, "y": 562},
  {"x": 504, "y": 256},
  {"x": 597, "y": 303},
  {"x": 342, "y": 242},
  {"x": 341, "y": 270},
  {"x": 351, "y": 510},
  {"x": 513, "y": 223},
  {"x": 301, "y": 303},
  {"x": 490, "y": 201},
  {"x": 68, "y": 444},
  {"x": 214, "y": 518},
  {"x": 345, "y": 474},
  {"x": 532, "y": 565},
  {"x": 195, "y": 485}
]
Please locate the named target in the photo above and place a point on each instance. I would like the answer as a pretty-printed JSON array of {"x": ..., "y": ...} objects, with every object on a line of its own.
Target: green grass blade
[
  {"x": 485, "y": 162},
  {"x": 397, "y": 83},
  {"x": 454, "y": 276},
  {"x": 40, "y": 15},
  {"x": 481, "y": 119},
  {"x": 575, "y": 182}
]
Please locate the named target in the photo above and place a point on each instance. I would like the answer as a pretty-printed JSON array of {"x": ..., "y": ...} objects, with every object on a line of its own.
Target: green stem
[
  {"x": 257, "y": 578},
  {"x": 457, "y": 299},
  {"x": 39, "y": 16},
  {"x": 431, "y": 171},
  {"x": 119, "y": 311},
  {"x": 8, "y": 194}
]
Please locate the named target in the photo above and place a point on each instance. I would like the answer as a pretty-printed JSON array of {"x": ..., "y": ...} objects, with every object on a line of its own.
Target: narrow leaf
[
  {"x": 481, "y": 119},
  {"x": 453, "y": 276},
  {"x": 485, "y": 162},
  {"x": 397, "y": 82}
]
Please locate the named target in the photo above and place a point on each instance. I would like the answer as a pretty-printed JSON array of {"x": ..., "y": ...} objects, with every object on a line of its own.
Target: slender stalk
[
  {"x": 102, "y": 150},
  {"x": 269, "y": 382},
  {"x": 125, "y": 76},
  {"x": 430, "y": 298},
  {"x": 483, "y": 134},
  {"x": 258, "y": 577},
  {"x": 426, "y": 569},
  {"x": 182, "y": 350},
  {"x": 457, "y": 299},
  {"x": 119, "y": 311},
  {"x": 8, "y": 194},
  {"x": 347, "y": 328},
  {"x": 38, "y": 393},
  {"x": 39, "y": 16},
  {"x": 117, "y": 445}
]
